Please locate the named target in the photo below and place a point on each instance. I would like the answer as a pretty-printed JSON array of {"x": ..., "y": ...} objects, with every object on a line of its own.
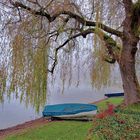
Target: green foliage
[
  {"x": 27, "y": 68},
  {"x": 101, "y": 73},
  {"x": 131, "y": 109},
  {"x": 29, "y": 71},
  {"x": 105, "y": 49},
  {"x": 114, "y": 128},
  {"x": 122, "y": 125},
  {"x": 112, "y": 43},
  {"x": 110, "y": 40},
  {"x": 101, "y": 70}
]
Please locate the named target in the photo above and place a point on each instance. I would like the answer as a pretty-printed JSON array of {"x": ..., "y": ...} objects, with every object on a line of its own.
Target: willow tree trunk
[
  {"x": 130, "y": 40},
  {"x": 127, "y": 64},
  {"x": 128, "y": 73}
]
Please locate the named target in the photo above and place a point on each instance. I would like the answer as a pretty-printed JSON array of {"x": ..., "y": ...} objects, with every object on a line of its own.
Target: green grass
[
  {"x": 135, "y": 107},
  {"x": 64, "y": 130},
  {"x": 115, "y": 101}
]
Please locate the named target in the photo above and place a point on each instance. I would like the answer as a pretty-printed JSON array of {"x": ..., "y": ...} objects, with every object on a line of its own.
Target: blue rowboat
[
  {"x": 69, "y": 110},
  {"x": 114, "y": 94}
]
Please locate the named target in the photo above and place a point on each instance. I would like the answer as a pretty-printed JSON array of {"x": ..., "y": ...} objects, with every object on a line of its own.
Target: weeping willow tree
[
  {"x": 29, "y": 71},
  {"x": 42, "y": 32}
]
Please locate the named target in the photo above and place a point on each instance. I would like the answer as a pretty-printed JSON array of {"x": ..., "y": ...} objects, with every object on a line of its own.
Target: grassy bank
[
  {"x": 115, "y": 101},
  {"x": 96, "y": 130},
  {"x": 62, "y": 130}
]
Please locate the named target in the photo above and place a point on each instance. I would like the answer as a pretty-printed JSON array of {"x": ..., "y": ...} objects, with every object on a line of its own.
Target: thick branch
[
  {"x": 110, "y": 44},
  {"x": 132, "y": 21},
  {"x": 113, "y": 50},
  {"x": 71, "y": 15}
]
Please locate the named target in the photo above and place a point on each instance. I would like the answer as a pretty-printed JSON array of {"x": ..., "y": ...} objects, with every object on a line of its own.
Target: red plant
[
  {"x": 101, "y": 115},
  {"x": 110, "y": 109},
  {"x": 108, "y": 112}
]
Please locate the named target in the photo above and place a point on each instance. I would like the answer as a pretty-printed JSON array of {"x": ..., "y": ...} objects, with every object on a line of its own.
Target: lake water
[{"x": 14, "y": 112}]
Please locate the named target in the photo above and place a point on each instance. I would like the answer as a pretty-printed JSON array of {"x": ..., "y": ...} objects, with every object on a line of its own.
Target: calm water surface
[{"x": 14, "y": 112}]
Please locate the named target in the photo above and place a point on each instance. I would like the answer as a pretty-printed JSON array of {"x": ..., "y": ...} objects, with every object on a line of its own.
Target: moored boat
[
  {"x": 114, "y": 94},
  {"x": 69, "y": 110}
]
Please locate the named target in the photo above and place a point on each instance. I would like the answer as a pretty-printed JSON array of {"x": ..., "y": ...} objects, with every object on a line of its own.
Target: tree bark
[
  {"x": 128, "y": 72},
  {"x": 127, "y": 60}
]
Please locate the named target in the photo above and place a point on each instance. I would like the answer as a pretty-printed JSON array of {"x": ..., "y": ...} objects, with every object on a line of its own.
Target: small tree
[{"x": 116, "y": 23}]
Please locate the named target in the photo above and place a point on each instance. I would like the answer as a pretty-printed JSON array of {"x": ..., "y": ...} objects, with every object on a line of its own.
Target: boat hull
[
  {"x": 83, "y": 114},
  {"x": 69, "y": 110},
  {"x": 114, "y": 94}
]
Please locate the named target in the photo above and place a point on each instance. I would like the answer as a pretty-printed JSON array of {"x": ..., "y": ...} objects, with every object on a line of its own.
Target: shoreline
[
  {"x": 19, "y": 128},
  {"x": 22, "y": 127}
]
